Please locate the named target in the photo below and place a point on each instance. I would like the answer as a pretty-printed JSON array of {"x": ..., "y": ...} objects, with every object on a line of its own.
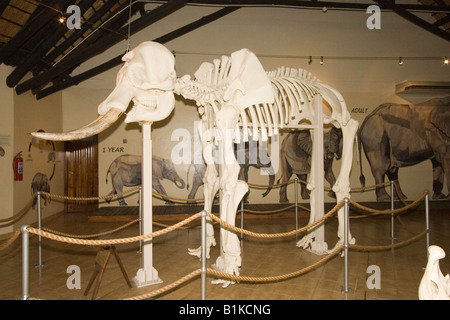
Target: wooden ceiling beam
[
  {"x": 35, "y": 23},
  {"x": 316, "y": 4},
  {"x": 3, "y": 6},
  {"x": 79, "y": 56},
  {"x": 27, "y": 64},
  {"x": 415, "y": 19},
  {"x": 52, "y": 56},
  {"x": 442, "y": 21},
  {"x": 118, "y": 60}
]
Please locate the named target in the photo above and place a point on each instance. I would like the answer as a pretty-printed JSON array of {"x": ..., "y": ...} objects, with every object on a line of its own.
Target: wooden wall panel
[{"x": 81, "y": 174}]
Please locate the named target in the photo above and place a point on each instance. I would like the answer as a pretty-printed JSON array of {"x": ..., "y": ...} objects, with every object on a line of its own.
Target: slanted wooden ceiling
[{"x": 45, "y": 53}]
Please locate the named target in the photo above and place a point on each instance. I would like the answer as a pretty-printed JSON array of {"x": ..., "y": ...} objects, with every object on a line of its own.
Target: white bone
[
  {"x": 261, "y": 123},
  {"x": 255, "y": 123},
  {"x": 229, "y": 92},
  {"x": 244, "y": 125},
  {"x": 268, "y": 119},
  {"x": 224, "y": 68},
  {"x": 433, "y": 285},
  {"x": 216, "y": 72}
]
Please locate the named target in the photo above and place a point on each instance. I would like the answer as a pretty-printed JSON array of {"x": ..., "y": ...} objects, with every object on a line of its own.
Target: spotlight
[
  {"x": 61, "y": 19},
  {"x": 445, "y": 61},
  {"x": 321, "y": 60},
  {"x": 400, "y": 61}
]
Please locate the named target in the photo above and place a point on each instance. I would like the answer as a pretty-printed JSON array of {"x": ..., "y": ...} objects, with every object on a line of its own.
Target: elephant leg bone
[
  {"x": 342, "y": 186},
  {"x": 232, "y": 192},
  {"x": 210, "y": 188}
]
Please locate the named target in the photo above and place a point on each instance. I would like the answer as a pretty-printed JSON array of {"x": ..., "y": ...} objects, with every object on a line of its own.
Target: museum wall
[
  {"x": 43, "y": 165},
  {"x": 7, "y": 150},
  {"x": 360, "y": 63},
  {"x": 43, "y": 162}
]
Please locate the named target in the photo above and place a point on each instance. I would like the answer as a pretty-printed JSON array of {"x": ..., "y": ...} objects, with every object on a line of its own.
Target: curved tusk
[{"x": 98, "y": 125}]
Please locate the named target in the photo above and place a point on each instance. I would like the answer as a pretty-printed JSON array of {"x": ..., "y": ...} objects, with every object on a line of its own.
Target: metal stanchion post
[
  {"x": 346, "y": 289},
  {"x": 427, "y": 221},
  {"x": 242, "y": 217},
  {"x": 38, "y": 199},
  {"x": 296, "y": 205},
  {"x": 392, "y": 208},
  {"x": 140, "y": 218},
  {"x": 25, "y": 263},
  {"x": 204, "y": 255}
]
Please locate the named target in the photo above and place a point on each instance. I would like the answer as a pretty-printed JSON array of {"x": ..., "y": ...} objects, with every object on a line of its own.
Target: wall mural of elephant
[
  {"x": 400, "y": 135},
  {"x": 248, "y": 154},
  {"x": 40, "y": 183},
  {"x": 126, "y": 171},
  {"x": 295, "y": 158}
]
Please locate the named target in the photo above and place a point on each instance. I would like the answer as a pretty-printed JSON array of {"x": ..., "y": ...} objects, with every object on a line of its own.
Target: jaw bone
[{"x": 98, "y": 125}]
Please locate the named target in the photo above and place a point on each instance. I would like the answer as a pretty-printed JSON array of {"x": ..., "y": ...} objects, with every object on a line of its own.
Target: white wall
[
  {"x": 281, "y": 37},
  {"x": 20, "y": 115},
  {"x": 31, "y": 115},
  {"x": 7, "y": 143}
]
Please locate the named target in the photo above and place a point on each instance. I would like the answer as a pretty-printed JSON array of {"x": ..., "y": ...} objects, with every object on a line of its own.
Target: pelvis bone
[
  {"x": 434, "y": 286},
  {"x": 147, "y": 79}
]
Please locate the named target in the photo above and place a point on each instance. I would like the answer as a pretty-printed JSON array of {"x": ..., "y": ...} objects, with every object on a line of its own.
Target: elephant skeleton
[{"x": 237, "y": 98}]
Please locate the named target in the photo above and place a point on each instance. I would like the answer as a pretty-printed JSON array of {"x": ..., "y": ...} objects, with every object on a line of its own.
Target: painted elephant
[
  {"x": 248, "y": 154},
  {"x": 295, "y": 158},
  {"x": 41, "y": 183},
  {"x": 126, "y": 171},
  {"x": 400, "y": 135}
]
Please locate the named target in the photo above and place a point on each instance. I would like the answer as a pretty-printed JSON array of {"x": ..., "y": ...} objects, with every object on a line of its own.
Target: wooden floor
[{"x": 401, "y": 268}]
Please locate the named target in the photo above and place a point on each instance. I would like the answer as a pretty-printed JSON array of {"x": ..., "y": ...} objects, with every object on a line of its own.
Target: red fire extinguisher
[{"x": 18, "y": 167}]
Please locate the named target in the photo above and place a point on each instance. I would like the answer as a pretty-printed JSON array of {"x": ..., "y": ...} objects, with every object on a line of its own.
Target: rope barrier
[
  {"x": 278, "y": 235},
  {"x": 87, "y": 236},
  {"x": 110, "y": 196},
  {"x": 18, "y": 215},
  {"x": 272, "y": 211},
  {"x": 390, "y": 211},
  {"x": 163, "y": 196},
  {"x": 81, "y": 239},
  {"x": 10, "y": 240},
  {"x": 391, "y": 246},
  {"x": 90, "y": 242},
  {"x": 231, "y": 227},
  {"x": 238, "y": 278}
]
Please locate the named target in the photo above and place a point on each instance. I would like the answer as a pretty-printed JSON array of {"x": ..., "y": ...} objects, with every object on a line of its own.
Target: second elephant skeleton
[{"x": 234, "y": 96}]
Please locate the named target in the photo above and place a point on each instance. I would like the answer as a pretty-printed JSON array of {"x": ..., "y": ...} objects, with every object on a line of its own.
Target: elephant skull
[{"x": 147, "y": 79}]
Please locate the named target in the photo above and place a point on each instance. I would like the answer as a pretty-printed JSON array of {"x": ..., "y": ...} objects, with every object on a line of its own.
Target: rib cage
[{"x": 294, "y": 90}]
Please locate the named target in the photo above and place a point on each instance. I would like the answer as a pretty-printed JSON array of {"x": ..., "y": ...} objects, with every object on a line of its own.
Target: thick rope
[
  {"x": 269, "y": 211},
  {"x": 390, "y": 211},
  {"x": 231, "y": 227},
  {"x": 87, "y": 236},
  {"x": 10, "y": 240},
  {"x": 18, "y": 215},
  {"x": 282, "y": 234},
  {"x": 83, "y": 242},
  {"x": 90, "y": 198},
  {"x": 391, "y": 246},
  {"x": 239, "y": 278}
]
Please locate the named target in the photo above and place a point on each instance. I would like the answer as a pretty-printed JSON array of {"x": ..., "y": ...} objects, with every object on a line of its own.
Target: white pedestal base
[{"x": 146, "y": 278}]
